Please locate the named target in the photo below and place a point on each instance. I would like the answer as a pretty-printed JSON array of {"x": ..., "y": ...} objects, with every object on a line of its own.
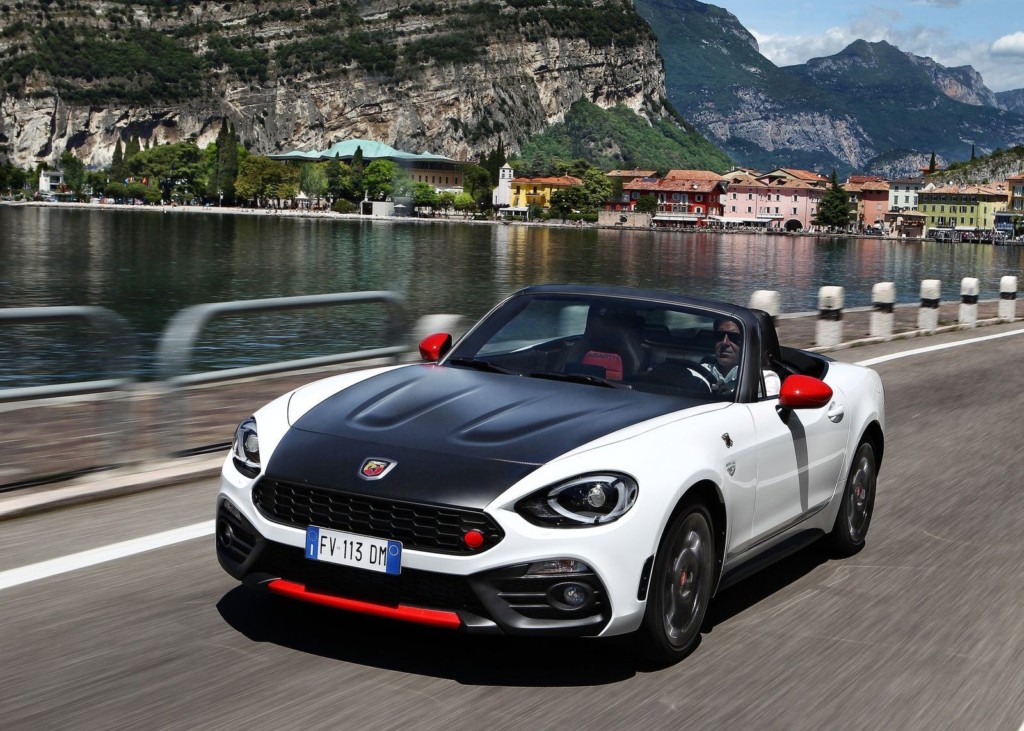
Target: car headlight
[
  {"x": 581, "y": 501},
  {"x": 246, "y": 448}
]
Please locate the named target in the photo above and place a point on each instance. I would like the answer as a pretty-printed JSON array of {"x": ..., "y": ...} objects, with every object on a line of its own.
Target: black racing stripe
[{"x": 457, "y": 436}]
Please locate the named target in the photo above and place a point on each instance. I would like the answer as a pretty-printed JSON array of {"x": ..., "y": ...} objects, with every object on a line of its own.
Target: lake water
[{"x": 146, "y": 265}]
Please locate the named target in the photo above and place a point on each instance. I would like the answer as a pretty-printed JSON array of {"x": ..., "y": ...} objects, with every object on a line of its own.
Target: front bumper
[{"x": 502, "y": 600}]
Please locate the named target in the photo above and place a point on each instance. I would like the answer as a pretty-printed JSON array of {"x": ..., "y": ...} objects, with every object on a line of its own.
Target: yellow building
[
  {"x": 527, "y": 192},
  {"x": 963, "y": 207}
]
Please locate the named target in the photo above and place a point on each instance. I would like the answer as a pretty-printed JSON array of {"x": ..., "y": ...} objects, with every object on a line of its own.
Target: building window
[
  {"x": 734, "y": 209},
  {"x": 748, "y": 209},
  {"x": 794, "y": 210},
  {"x": 750, "y": 196},
  {"x": 700, "y": 197},
  {"x": 795, "y": 199}
]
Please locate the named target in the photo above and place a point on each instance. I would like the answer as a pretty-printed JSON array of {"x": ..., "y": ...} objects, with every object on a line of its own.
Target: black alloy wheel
[
  {"x": 858, "y": 501},
  {"x": 680, "y": 588}
]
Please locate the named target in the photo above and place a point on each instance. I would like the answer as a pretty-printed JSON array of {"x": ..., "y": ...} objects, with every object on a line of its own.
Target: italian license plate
[{"x": 351, "y": 549}]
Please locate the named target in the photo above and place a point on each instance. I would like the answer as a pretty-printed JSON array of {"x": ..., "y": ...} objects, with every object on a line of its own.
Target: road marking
[
  {"x": 933, "y": 348},
  {"x": 53, "y": 567}
]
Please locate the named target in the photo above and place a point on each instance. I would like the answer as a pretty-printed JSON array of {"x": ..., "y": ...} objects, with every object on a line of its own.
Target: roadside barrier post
[
  {"x": 969, "y": 288},
  {"x": 767, "y": 300},
  {"x": 830, "y": 316},
  {"x": 883, "y": 297},
  {"x": 1008, "y": 299},
  {"x": 928, "y": 315}
]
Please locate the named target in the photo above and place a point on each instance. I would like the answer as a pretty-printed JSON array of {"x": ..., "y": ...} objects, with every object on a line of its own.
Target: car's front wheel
[
  {"x": 680, "y": 588},
  {"x": 851, "y": 526}
]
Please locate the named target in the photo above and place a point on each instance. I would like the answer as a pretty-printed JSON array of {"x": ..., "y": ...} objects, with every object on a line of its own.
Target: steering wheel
[{"x": 704, "y": 372}]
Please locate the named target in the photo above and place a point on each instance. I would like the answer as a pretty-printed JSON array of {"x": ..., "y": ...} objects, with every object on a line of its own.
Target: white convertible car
[{"x": 585, "y": 461}]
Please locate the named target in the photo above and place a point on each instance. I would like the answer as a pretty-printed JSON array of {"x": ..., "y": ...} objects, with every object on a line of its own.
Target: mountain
[
  {"x": 870, "y": 108},
  {"x": 1012, "y": 101},
  {"x": 449, "y": 77}
]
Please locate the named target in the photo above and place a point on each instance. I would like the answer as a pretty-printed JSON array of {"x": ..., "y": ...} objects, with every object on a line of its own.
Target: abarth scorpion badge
[{"x": 375, "y": 468}]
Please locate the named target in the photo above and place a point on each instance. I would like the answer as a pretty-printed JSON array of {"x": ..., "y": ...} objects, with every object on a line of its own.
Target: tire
[
  {"x": 680, "y": 588},
  {"x": 854, "y": 517}
]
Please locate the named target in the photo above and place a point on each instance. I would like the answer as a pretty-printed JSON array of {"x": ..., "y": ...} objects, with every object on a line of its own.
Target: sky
[{"x": 985, "y": 34}]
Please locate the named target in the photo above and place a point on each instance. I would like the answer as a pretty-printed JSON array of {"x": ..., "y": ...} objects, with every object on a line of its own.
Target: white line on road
[
  {"x": 45, "y": 569},
  {"x": 932, "y": 348}
]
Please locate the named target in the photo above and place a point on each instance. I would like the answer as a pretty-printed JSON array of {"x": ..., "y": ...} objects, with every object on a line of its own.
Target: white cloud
[{"x": 1011, "y": 45}]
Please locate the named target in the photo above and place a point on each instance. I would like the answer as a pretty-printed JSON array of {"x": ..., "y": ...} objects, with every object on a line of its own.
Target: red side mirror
[
  {"x": 804, "y": 392},
  {"x": 433, "y": 347}
]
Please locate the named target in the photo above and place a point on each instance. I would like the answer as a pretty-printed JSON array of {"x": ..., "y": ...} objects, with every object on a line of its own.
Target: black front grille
[
  {"x": 421, "y": 527},
  {"x": 411, "y": 587}
]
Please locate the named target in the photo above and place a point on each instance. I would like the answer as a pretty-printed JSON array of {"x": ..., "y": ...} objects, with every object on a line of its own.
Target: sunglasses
[{"x": 736, "y": 338}]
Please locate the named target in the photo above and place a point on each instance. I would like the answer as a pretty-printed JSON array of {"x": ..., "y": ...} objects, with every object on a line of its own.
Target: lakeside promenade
[{"x": 320, "y": 214}]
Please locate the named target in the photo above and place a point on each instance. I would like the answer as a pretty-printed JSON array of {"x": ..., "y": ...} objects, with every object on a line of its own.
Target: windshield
[{"x": 645, "y": 346}]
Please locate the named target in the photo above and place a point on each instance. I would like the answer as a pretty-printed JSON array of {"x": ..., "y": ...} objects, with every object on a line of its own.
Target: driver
[{"x": 725, "y": 366}]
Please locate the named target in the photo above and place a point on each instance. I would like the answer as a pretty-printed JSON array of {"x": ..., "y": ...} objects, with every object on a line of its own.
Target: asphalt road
[{"x": 924, "y": 629}]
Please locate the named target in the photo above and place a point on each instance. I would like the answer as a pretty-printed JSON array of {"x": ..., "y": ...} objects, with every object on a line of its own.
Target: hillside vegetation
[{"x": 615, "y": 138}]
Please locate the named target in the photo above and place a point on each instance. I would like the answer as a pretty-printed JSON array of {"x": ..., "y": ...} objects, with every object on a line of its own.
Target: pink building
[
  {"x": 746, "y": 200},
  {"x": 793, "y": 197}
]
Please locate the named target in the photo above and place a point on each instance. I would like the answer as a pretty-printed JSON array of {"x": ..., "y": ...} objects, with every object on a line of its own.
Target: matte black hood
[{"x": 458, "y": 436}]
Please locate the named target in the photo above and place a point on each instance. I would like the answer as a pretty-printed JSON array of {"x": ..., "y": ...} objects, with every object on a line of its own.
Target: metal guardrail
[
  {"x": 113, "y": 328},
  {"x": 177, "y": 346},
  {"x": 130, "y": 424},
  {"x": 174, "y": 354}
]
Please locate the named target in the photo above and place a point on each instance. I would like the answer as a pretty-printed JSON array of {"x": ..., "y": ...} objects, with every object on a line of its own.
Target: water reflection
[{"x": 147, "y": 265}]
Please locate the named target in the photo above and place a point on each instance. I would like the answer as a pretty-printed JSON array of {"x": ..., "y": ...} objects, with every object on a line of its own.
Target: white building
[
  {"x": 50, "y": 181},
  {"x": 903, "y": 193},
  {"x": 502, "y": 195}
]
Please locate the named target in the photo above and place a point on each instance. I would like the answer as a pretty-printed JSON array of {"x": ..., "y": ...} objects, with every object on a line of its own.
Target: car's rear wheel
[
  {"x": 854, "y": 517},
  {"x": 680, "y": 589}
]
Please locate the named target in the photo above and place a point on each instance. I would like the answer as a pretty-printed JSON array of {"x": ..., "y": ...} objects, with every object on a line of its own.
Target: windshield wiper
[
  {"x": 582, "y": 378},
  {"x": 482, "y": 365}
]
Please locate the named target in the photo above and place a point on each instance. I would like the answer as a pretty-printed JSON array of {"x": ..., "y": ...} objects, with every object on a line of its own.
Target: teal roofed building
[{"x": 442, "y": 172}]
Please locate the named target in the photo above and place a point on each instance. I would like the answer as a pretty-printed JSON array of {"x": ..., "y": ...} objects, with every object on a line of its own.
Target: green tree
[
  {"x": 424, "y": 196},
  {"x": 972, "y": 151},
  {"x": 131, "y": 149},
  {"x": 74, "y": 173},
  {"x": 647, "y": 203},
  {"x": 446, "y": 200},
  {"x": 566, "y": 200},
  {"x": 260, "y": 179},
  {"x": 598, "y": 189},
  {"x": 116, "y": 190},
  {"x": 834, "y": 208},
  {"x": 313, "y": 179},
  {"x": 117, "y": 163},
  {"x": 177, "y": 170},
  {"x": 931, "y": 165},
  {"x": 464, "y": 203},
  {"x": 357, "y": 165},
  {"x": 477, "y": 182},
  {"x": 224, "y": 165},
  {"x": 339, "y": 180},
  {"x": 95, "y": 181},
  {"x": 379, "y": 179}
]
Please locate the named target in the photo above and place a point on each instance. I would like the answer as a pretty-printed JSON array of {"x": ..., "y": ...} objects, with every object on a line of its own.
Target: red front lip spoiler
[{"x": 417, "y": 615}]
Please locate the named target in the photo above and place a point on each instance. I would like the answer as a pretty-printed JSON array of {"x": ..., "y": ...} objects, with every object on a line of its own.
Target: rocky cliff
[
  {"x": 869, "y": 108},
  {"x": 449, "y": 77}
]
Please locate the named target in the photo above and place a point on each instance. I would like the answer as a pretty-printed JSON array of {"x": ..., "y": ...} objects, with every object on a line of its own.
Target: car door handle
[{"x": 835, "y": 412}]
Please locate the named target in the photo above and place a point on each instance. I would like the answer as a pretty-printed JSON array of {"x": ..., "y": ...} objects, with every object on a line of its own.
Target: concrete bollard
[
  {"x": 830, "y": 317},
  {"x": 768, "y": 300},
  {"x": 969, "y": 289},
  {"x": 883, "y": 297},
  {"x": 1008, "y": 299},
  {"x": 928, "y": 315}
]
